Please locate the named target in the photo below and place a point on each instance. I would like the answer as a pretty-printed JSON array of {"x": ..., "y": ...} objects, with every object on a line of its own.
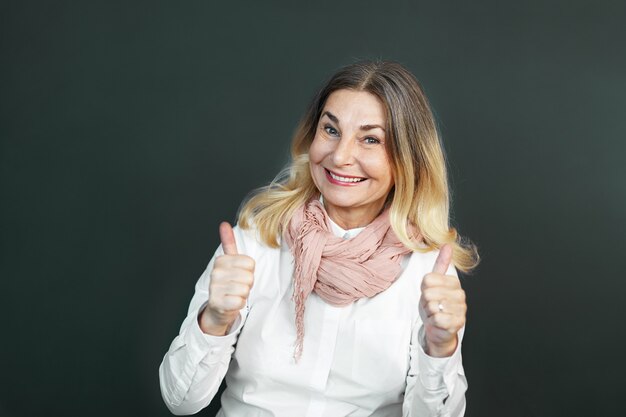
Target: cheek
[
  {"x": 389, "y": 172},
  {"x": 380, "y": 168},
  {"x": 316, "y": 151},
  {"x": 386, "y": 179}
]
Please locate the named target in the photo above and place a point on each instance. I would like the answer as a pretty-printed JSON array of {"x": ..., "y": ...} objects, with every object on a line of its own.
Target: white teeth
[{"x": 344, "y": 179}]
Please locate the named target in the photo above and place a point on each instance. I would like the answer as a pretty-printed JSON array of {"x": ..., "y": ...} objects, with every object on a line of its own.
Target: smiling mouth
[{"x": 350, "y": 180}]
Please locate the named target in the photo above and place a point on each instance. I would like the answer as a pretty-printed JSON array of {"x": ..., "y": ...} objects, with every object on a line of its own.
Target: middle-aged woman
[{"x": 336, "y": 294}]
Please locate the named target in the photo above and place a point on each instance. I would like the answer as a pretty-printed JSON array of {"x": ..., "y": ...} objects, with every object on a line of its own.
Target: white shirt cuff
[
  {"x": 437, "y": 373},
  {"x": 209, "y": 348}
]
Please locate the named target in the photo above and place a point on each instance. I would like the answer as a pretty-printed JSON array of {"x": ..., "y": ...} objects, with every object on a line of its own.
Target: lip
[{"x": 337, "y": 182}]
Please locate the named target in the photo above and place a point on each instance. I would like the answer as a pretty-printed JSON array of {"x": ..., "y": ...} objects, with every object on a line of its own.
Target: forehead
[{"x": 357, "y": 106}]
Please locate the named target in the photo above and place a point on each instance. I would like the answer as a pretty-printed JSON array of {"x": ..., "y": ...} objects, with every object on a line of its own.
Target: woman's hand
[
  {"x": 231, "y": 281},
  {"x": 442, "y": 307}
]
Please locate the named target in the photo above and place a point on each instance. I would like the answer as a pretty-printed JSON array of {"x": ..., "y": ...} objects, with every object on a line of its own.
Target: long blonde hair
[{"x": 420, "y": 198}]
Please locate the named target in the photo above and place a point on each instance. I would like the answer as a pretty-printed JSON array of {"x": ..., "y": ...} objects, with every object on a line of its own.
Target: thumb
[
  {"x": 443, "y": 260},
  {"x": 227, "y": 237}
]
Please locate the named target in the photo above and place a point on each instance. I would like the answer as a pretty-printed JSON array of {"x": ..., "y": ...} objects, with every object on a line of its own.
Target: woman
[{"x": 337, "y": 293}]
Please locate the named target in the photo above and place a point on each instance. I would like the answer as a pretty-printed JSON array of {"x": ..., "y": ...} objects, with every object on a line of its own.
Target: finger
[
  {"x": 434, "y": 307},
  {"x": 233, "y": 302},
  {"x": 236, "y": 289},
  {"x": 431, "y": 280},
  {"x": 444, "y": 306},
  {"x": 434, "y": 294},
  {"x": 227, "y": 237},
  {"x": 236, "y": 262},
  {"x": 442, "y": 293},
  {"x": 443, "y": 260},
  {"x": 437, "y": 336},
  {"x": 226, "y": 304},
  {"x": 447, "y": 322}
]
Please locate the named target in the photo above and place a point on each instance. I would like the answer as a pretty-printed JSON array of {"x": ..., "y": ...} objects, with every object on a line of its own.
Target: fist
[
  {"x": 231, "y": 280},
  {"x": 442, "y": 307}
]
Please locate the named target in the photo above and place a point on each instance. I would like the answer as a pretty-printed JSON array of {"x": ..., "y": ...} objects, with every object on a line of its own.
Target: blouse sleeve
[
  {"x": 435, "y": 386},
  {"x": 195, "y": 364}
]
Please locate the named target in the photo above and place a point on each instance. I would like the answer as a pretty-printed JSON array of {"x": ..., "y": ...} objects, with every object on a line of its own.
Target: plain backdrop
[{"x": 129, "y": 130}]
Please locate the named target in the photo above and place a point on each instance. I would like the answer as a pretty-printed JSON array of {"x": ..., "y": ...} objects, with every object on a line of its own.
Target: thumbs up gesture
[
  {"x": 442, "y": 307},
  {"x": 231, "y": 280}
]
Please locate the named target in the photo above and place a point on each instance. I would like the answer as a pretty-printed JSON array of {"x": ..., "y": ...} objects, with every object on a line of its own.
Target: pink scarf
[{"x": 339, "y": 270}]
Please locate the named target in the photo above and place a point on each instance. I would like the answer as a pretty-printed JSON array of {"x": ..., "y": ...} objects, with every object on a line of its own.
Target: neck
[{"x": 351, "y": 218}]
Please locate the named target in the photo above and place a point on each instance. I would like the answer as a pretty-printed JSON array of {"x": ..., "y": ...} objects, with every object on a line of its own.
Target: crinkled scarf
[{"x": 339, "y": 270}]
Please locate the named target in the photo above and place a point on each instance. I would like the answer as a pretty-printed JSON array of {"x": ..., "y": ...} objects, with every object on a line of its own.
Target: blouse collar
[{"x": 339, "y": 231}]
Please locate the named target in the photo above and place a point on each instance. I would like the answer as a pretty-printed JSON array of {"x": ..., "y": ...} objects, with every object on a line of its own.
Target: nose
[{"x": 345, "y": 151}]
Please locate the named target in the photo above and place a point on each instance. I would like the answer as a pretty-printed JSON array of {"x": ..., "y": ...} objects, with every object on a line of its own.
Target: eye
[
  {"x": 370, "y": 140},
  {"x": 331, "y": 130}
]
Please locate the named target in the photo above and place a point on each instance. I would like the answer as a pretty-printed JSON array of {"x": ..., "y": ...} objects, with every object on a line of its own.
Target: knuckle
[
  {"x": 246, "y": 278},
  {"x": 246, "y": 290},
  {"x": 241, "y": 289},
  {"x": 244, "y": 262},
  {"x": 220, "y": 260},
  {"x": 250, "y": 263},
  {"x": 453, "y": 280},
  {"x": 428, "y": 294},
  {"x": 229, "y": 303},
  {"x": 236, "y": 303},
  {"x": 214, "y": 290},
  {"x": 217, "y": 274},
  {"x": 216, "y": 306},
  {"x": 429, "y": 280},
  {"x": 437, "y": 319},
  {"x": 449, "y": 283}
]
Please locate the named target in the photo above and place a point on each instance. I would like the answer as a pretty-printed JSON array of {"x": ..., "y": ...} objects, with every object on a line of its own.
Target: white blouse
[{"x": 364, "y": 359}]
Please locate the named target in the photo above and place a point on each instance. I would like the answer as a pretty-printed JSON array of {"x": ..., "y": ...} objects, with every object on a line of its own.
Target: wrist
[
  {"x": 441, "y": 350},
  {"x": 209, "y": 326}
]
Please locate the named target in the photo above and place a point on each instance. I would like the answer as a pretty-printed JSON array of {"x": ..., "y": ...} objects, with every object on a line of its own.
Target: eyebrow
[{"x": 362, "y": 127}]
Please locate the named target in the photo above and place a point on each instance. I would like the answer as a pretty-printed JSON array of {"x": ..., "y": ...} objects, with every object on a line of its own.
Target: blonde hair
[{"x": 419, "y": 201}]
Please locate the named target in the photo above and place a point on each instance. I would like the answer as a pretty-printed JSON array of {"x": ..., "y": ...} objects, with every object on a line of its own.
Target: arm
[
  {"x": 436, "y": 381},
  {"x": 196, "y": 362},
  {"x": 435, "y": 386}
]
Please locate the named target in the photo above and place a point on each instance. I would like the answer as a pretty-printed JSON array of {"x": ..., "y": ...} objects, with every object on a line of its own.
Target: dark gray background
[{"x": 129, "y": 130}]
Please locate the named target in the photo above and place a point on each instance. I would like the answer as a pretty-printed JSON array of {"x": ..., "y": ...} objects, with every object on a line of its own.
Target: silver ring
[{"x": 440, "y": 307}]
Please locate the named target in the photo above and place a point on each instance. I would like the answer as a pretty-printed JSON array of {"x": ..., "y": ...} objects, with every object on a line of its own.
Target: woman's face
[{"x": 348, "y": 158}]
